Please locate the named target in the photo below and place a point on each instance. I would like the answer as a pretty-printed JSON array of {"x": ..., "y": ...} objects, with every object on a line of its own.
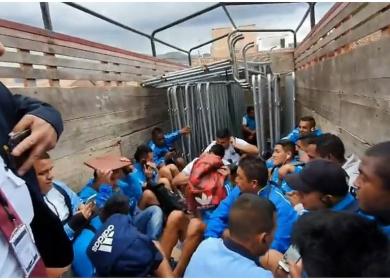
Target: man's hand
[
  {"x": 224, "y": 171},
  {"x": 185, "y": 130},
  {"x": 43, "y": 138},
  {"x": 294, "y": 197},
  {"x": 104, "y": 177},
  {"x": 87, "y": 209},
  {"x": 296, "y": 269}
]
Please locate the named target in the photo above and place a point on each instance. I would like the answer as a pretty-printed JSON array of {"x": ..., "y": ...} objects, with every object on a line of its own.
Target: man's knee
[
  {"x": 177, "y": 219},
  {"x": 173, "y": 168},
  {"x": 196, "y": 227}
]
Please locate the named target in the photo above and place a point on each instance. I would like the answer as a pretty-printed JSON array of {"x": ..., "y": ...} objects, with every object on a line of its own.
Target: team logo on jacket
[{"x": 104, "y": 242}]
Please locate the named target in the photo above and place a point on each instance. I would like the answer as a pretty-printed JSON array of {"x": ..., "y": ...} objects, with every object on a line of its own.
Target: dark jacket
[{"x": 51, "y": 240}]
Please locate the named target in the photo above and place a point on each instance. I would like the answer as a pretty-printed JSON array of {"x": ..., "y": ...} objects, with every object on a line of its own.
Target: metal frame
[{"x": 48, "y": 24}]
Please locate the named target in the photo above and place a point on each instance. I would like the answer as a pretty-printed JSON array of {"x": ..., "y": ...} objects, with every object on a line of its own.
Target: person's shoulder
[
  {"x": 62, "y": 185},
  {"x": 241, "y": 141}
]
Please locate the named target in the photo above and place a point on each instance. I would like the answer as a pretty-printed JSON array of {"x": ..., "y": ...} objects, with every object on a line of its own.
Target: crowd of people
[{"x": 306, "y": 211}]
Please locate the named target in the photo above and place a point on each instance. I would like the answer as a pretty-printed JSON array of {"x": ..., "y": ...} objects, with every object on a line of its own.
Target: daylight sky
[{"x": 148, "y": 16}]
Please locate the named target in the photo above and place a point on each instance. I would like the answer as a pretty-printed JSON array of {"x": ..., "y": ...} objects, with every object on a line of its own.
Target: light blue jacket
[
  {"x": 294, "y": 135},
  {"x": 159, "y": 152},
  {"x": 286, "y": 217},
  {"x": 75, "y": 203},
  {"x": 82, "y": 266}
]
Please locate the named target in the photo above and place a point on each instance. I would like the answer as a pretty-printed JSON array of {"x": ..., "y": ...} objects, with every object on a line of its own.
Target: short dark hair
[
  {"x": 249, "y": 109},
  {"x": 287, "y": 145},
  {"x": 156, "y": 131},
  {"x": 251, "y": 215},
  {"x": 340, "y": 244},
  {"x": 309, "y": 119},
  {"x": 254, "y": 169},
  {"x": 217, "y": 150},
  {"x": 329, "y": 144},
  {"x": 223, "y": 133},
  {"x": 118, "y": 203},
  {"x": 382, "y": 168},
  {"x": 141, "y": 152}
]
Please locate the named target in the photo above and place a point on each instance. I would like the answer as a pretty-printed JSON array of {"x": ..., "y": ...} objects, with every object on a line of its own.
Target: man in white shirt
[
  {"x": 61, "y": 200},
  {"x": 233, "y": 146}
]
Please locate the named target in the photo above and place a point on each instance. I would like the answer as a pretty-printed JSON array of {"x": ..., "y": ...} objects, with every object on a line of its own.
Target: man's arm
[
  {"x": 31, "y": 106},
  {"x": 245, "y": 147},
  {"x": 219, "y": 218}
]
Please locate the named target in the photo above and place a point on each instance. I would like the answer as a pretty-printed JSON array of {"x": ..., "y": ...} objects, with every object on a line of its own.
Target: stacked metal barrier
[
  {"x": 205, "y": 107},
  {"x": 274, "y": 107}
]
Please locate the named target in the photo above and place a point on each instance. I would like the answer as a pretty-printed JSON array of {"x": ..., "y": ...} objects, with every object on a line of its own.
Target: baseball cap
[
  {"x": 320, "y": 175},
  {"x": 120, "y": 250}
]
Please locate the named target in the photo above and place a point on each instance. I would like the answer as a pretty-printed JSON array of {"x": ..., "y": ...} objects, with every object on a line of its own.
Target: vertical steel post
[
  {"x": 270, "y": 110},
  {"x": 46, "y": 15}
]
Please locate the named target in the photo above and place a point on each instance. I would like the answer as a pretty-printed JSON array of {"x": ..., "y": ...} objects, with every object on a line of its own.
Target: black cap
[{"x": 320, "y": 175}]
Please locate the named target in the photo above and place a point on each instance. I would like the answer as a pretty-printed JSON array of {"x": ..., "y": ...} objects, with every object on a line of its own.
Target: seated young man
[
  {"x": 143, "y": 174},
  {"x": 233, "y": 146},
  {"x": 329, "y": 146},
  {"x": 190, "y": 230},
  {"x": 107, "y": 183},
  {"x": 248, "y": 126},
  {"x": 284, "y": 153},
  {"x": 307, "y": 124},
  {"x": 119, "y": 249},
  {"x": 373, "y": 185},
  {"x": 82, "y": 266},
  {"x": 162, "y": 147},
  {"x": 347, "y": 246},
  {"x": 60, "y": 198},
  {"x": 181, "y": 179},
  {"x": 252, "y": 222},
  {"x": 322, "y": 184},
  {"x": 252, "y": 177}
]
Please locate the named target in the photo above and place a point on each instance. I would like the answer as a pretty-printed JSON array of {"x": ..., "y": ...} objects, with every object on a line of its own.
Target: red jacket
[{"x": 206, "y": 184}]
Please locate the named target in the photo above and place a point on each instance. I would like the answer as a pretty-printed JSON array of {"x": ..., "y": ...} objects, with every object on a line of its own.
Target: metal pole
[
  {"x": 95, "y": 14},
  {"x": 244, "y": 51},
  {"x": 312, "y": 15},
  {"x": 229, "y": 16},
  {"x": 256, "y": 106},
  {"x": 270, "y": 110},
  {"x": 293, "y": 107},
  {"x": 46, "y": 15},
  {"x": 277, "y": 108},
  {"x": 261, "y": 113}
]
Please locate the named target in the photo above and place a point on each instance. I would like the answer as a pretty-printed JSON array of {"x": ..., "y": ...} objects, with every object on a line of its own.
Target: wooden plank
[
  {"x": 26, "y": 30},
  {"x": 15, "y": 42},
  {"x": 82, "y": 133},
  {"x": 338, "y": 16},
  {"x": 67, "y": 74},
  {"x": 361, "y": 16},
  {"x": 378, "y": 22},
  {"x": 71, "y": 169},
  {"x": 82, "y": 102},
  {"x": 368, "y": 62}
]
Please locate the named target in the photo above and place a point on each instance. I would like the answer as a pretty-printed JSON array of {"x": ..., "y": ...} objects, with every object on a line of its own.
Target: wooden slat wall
[
  {"x": 109, "y": 116},
  {"x": 343, "y": 74}
]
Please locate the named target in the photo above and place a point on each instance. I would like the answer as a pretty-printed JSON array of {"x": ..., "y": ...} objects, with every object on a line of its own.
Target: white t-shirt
[
  {"x": 16, "y": 191},
  {"x": 230, "y": 153},
  {"x": 56, "y": 202},
  {"x": 351, "y": 167},
  {"x": 188, "y": 168}
]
